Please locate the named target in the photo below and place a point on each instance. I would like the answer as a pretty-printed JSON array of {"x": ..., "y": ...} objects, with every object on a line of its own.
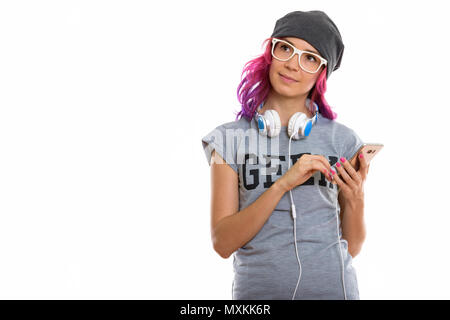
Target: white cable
[
  {"x": 340, "y": 249},
  {"x": 294, "y": 215},
  {"x": 298, "y": 259}
]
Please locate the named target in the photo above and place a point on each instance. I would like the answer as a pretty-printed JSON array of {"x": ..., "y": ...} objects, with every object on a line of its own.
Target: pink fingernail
[
  {"x": 361, "y": 156},
  {"x": 342, "y": 159},
  {"x": 338, "y": 164}
]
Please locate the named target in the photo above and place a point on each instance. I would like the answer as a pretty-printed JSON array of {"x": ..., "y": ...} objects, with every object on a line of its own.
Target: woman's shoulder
[
  {"x": 337, "y": 127},
  {"x": 223, "y": 140},
  {"x": 242, "y": 123},
  {"x": 343, "y": 136}
]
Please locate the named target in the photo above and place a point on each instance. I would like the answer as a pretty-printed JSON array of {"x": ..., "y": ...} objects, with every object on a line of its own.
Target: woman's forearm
[
  {"x": 234, "y": 231},
  {"x": 353, "y": 226}
]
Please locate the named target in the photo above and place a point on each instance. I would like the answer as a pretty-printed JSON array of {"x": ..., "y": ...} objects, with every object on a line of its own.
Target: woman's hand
[
  {"x": 303, "y": 169},
  {"x": 352, "y": 182}
]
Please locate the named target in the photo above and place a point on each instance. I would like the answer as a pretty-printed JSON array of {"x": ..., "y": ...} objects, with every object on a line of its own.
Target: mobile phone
[{"x": 369, "y": 150}]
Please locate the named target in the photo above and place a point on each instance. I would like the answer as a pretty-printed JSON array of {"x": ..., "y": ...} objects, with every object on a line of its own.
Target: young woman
[{"x": 291, "y": 222}]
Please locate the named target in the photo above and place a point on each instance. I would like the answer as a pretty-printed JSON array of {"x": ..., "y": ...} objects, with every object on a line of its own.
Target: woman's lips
[{"x": 287, "y": 79}]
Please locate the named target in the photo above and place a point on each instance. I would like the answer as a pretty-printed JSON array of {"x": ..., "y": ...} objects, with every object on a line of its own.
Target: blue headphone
[{"x": 269, "y": 123}]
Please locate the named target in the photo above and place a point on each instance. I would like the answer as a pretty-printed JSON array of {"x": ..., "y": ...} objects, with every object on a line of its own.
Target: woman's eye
[
  {"x": 285, "y": 47},
  {"x": 311, "y": 58}
]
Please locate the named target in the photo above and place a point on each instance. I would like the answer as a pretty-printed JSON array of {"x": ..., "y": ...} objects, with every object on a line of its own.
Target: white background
[{"x": 104, "y": 184}]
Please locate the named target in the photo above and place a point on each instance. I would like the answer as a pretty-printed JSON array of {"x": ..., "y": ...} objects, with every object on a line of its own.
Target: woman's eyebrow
[{"x": 310, "y": 50}]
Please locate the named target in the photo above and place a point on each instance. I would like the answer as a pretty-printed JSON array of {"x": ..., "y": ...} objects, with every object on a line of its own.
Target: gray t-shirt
[{"x": 266, "y": 267}]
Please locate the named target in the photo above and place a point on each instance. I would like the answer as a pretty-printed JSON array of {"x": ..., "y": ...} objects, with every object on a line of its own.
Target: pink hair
[{"x": 255, "y": 86}]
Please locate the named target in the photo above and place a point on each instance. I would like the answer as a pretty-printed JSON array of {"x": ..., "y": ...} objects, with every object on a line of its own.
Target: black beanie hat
[{"x": 316, "y": 28}]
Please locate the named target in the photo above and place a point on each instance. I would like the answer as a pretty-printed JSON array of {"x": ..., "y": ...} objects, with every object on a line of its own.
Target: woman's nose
[{"x": 292, "y": 63}]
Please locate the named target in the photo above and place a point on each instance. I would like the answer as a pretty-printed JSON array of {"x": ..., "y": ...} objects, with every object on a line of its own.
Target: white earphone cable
[
  {"x": 340, "y": 249},
  {"x": 294, "y": 215}
]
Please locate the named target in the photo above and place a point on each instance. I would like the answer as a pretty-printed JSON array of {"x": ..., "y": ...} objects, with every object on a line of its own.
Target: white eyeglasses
[{"x": 308, "y": 61}]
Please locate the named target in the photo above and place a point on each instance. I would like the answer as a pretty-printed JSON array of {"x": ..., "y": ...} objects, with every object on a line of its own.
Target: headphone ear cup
[
  {"x": 307, "y": 128},
  {"x": 296, "y": 124},
  {"x": 273, "y": 123},
  {"x": 291, "y": 126},
  {"x": 261, "y": 124}
]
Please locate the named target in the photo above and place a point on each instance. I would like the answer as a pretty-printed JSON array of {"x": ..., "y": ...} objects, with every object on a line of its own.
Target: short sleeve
[
  {"x": 351, "y": 144},
  {"x": 223, "y": 140}
]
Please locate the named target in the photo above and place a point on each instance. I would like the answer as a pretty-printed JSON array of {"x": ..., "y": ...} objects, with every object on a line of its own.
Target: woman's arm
[
  {"x": 352, "y": 223},
  {"x": 230, "y": 228}
]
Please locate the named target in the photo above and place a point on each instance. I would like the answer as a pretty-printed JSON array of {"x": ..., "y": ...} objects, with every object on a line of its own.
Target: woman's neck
[{"x": 286, "y": 107}]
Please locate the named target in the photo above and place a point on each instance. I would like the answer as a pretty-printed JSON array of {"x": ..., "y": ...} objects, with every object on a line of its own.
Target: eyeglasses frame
[{"x": 300, "y": 52}]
